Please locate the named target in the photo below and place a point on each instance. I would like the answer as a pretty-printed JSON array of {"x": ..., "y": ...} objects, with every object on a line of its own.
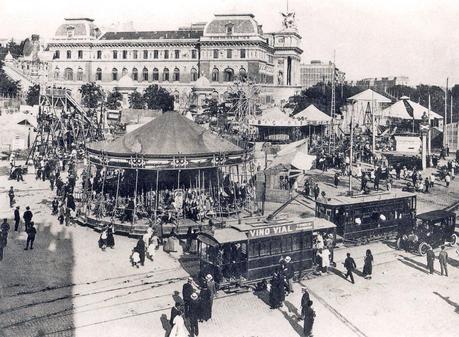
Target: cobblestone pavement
[{"x": 67, "y": 286}]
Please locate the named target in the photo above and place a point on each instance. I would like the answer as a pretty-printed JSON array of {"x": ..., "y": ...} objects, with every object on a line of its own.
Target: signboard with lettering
[{"x": 278, "y": 230}]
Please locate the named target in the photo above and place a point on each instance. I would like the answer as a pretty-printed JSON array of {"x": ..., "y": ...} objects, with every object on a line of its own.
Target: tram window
[
  {"x": 254, "y": 250},
  {"x": 296, "y": 242},
  {"x": 287, "y": 243},
  {"x": 307, "y": 241},
  {"x": 204, "y": 248},
  {"x": 275, "y": 246},
  {"x": 264, "y": 248}
]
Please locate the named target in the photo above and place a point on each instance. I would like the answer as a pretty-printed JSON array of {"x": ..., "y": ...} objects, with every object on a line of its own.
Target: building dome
[
  {"x": 79, "y": 29},
  {"x": 232, "y": 25}
]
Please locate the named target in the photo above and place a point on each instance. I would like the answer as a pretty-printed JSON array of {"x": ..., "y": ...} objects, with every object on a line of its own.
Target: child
[{"x": 135, "y": 258}]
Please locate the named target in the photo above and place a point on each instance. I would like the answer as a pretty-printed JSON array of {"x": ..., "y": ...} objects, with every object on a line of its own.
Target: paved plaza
[{"x": 67, "y": 286}]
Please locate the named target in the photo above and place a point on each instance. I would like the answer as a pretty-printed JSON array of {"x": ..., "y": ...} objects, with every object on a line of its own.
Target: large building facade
[
  {"x": 227, "y": 48},
  {"x": 319, "y": 72}
]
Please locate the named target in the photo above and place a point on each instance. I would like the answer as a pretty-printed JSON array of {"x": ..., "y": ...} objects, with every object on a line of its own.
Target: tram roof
[
  {"x": 253, "y": 228},
  {"x": 365, "y": 198}
]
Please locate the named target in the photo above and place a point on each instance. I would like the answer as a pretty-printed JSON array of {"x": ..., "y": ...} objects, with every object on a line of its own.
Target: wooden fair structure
[{"x": 63, "y": 124}]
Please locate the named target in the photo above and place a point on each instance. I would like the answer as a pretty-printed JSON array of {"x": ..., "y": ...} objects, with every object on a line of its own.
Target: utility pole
[
  {"x": 445, "y": 117},
  {"x": 373, "y": 129},
  {"x": 333, "y": 102},
  {"x": 429, "y": 139},
  {"x": 350, "y": 152}
]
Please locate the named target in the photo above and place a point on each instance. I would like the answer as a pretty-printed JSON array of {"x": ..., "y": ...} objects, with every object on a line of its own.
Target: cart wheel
[
  {"x": 423, "y": 247},
  {"x": 453, "y": 240},
  {"x": 399, "y": 243}
]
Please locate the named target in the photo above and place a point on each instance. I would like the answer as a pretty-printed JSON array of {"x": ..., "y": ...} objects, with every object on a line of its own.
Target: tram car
[
  {"x": 248, "y": 252},
  {"x": 364, "y": 218},
  {"x": 434, "y": 228}
]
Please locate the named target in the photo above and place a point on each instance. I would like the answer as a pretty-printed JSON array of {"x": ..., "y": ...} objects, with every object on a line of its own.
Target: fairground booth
[{"x": 169, "y": 172}]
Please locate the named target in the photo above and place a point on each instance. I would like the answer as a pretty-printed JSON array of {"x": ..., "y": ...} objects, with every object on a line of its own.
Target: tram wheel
[{"x": 423, "y": 247}]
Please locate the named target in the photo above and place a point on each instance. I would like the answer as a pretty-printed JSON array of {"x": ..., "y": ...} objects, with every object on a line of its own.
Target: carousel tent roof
[
  {"x": 314, "y": 115},
  {"x": 274, "y": 117},
  {"x": 170, "y": 134},
  {"x": 407, "y": 109},
  {"x": 369, "y": 95}
]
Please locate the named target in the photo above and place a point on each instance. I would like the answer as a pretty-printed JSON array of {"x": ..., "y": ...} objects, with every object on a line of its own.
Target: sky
[{"x": 414, "y": 38}]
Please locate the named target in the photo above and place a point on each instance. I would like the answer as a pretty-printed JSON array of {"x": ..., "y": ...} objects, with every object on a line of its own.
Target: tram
[
  {"x": 247, "y": 251},
  {"x": 365, "y": 218}
]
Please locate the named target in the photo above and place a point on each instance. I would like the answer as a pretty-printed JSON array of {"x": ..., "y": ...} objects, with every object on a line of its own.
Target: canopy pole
[
  {"x": 218, "y": 192},
  {"x": 117, "y": 190},
  {"x": 134, "y": 215},
  {"x": 178, "y": 180}
]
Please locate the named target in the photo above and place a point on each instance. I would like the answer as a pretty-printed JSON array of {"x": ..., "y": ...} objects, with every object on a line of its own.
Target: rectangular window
[
  {"x": 69, "y": 54},
  {"x": 265, "y": 247},
  {"x": 275, "y": 246},
  {"x": 286, "y": 243},
  {"x": 229, "y": 53},
  {"x": 254, "y": 250},
  {"x": 215, "y": 53},
  {"x": 99, "y": 54},
  {"x": 242, "y": 53},
  {"x": 194, "y": 54},
  {"x": 135, "y": 54},
  {"x": 80, "y": 54},
  {"x": 115, "y": 54},
  {"x": 155, "y": 54},
  {"x": 166, "y": 54},
  {"x": 57, "y": 54},
  {"x": 124, "y": 54},
  {"x": 145, "y": 54},
  {"x": 296, "y": 242},
  {"x": 177, "y": 54}
]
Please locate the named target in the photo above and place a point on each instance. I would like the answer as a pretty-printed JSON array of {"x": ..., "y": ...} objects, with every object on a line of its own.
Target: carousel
[{"x": 170, "y": 174}]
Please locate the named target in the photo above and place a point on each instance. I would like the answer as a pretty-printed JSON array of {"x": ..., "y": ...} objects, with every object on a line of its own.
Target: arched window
[
  {"x": 166, "y": 74},
  {"x": 193, "y": 74},
  {"x": 56, "y": 73},
  {"x": 176, "y": 75},
  {"x": 80, "y": 74},
  {"x": 215, "y": 75},
  {"x": 68, "y": 74},
  {"x": 242, "y": 74},
  {"x": 228, "y": 75},
  {"x": 145, "y": 74},
  {"x": 99, "y": 74},
  {"x": 155, "y": 74},
  {"x": 114, "y": 74},
  {"x": 135, "y": 74},
  {"x": 124, "y": 72}
]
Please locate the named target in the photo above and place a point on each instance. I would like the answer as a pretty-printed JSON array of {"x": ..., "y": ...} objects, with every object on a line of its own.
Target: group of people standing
[{"x": 194, "y": 308}]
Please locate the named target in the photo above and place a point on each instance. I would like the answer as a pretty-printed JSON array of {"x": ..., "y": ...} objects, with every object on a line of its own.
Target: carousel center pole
[
  {"x": 117, "y": 191},
  {"x": 134, "y": 214}
]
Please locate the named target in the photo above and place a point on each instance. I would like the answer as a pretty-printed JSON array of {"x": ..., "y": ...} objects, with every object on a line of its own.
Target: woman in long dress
[
  {"x": 178, "y": 329},
  {"x": 368, "y": 264}
]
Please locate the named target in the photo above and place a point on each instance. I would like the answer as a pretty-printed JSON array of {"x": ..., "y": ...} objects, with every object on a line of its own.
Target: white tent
[
  {"x": 294, "y": 155},
  {"x": 370, "y": 96},
  {"x": 312, "y": 115},
  {"x": 407, "y": 109}
]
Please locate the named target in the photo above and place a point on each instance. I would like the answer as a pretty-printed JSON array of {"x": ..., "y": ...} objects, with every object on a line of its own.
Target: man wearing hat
[
  {"x": 194, "y": 314},
  {"x": 309, "y": 316},
  {"x": 289, "y": 273},
  {"x": 304, "y": 302},
  {"x": 187, "y": 291},
  {"x": 350, "y": 265},
  {"x": 31, "y": 232},
  {"x": 27, "y": 216},
  {"x": 5, "y": 227},
  {"x": 211, "y": 285},
  {"x": 17, "y": 219}
]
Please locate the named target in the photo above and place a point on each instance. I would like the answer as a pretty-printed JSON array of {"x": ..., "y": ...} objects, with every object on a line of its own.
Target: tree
[
  {"x": 15, "y": 49},
  {"x": 8, "y": 87},
  {"x": 157, "y": 97},
  {"x": 114, "y": 99},
  {"x": 92, "y": 95},
  {"x": 320, "y": 95},
  {"x": 136, "y": 100},
  {"x": 33, "y": 95}
]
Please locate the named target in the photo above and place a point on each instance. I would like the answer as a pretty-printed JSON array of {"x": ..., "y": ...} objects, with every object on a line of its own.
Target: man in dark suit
[
  {"x": 27, "y": 217},
  {"x": 443, "y": 259},
  {"x": 187, "y": 290},
  {"x": 350, "y": 265},
  {"x": 194, "y": 314},
  {"x": 174, "y": 312},
  {"x": 17, "y": 219},
  {"x": 430, "y": 260}
]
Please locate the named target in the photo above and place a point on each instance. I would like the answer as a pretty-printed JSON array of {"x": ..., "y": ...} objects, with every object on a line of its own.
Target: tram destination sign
[{"x": 279, "y": 230}]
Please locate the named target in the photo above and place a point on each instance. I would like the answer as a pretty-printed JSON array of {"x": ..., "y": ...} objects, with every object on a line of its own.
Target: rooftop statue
[{"x": 289, "y": 20}]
